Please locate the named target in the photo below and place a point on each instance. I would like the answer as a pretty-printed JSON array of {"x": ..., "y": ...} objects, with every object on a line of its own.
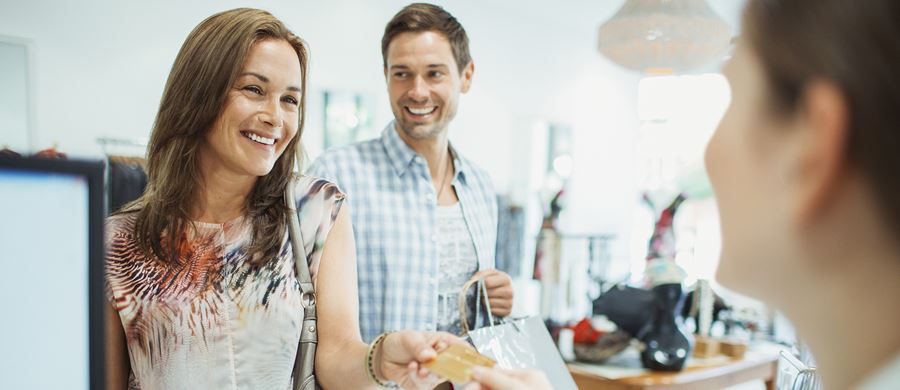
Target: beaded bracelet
[{"x": 370, "y": 363}]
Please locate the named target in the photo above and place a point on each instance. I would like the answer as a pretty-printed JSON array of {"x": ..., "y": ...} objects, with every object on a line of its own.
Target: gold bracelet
[{"x": 370, "y": 363}]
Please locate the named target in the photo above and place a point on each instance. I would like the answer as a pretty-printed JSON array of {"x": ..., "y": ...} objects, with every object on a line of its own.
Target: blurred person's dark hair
[
  {"x": 423, "y": 17},
  {"x": 855, "y": 45}
]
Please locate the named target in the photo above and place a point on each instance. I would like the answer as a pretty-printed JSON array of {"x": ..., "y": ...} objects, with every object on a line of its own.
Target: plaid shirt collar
[{"x": 402, "y": 156}]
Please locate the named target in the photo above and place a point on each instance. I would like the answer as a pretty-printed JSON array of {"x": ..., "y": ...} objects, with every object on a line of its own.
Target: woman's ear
[{"x": 821, "y": 162}]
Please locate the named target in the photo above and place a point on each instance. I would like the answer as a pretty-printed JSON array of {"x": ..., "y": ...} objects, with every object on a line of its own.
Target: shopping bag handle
[{"x": 463, "y": 317}]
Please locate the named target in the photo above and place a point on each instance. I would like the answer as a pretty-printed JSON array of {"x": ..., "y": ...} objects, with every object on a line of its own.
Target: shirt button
[{"x": 432, "y": 281}]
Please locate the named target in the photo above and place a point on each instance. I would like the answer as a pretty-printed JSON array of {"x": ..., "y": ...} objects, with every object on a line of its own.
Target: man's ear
[
  {"x": 822, "y": 160},
  {"x": 466, "y": 76}
]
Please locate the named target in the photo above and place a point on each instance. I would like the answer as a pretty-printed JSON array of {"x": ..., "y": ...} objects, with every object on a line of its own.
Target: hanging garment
[{"x": 126, "y": 181}]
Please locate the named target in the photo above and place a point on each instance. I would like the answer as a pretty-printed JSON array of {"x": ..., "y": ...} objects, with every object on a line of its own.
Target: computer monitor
[{"x": 51, "y": 274}]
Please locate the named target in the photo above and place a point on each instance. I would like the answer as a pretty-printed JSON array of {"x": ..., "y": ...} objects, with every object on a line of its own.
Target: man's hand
[{"x": 499, "y": 290}]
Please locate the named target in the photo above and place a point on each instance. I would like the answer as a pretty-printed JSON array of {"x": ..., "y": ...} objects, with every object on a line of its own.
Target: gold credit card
[{"x": 455, "y": 363}]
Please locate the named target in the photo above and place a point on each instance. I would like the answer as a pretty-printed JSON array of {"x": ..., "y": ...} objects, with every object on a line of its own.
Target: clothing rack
[
  {"x": 510, "y": 247},
  {"x": 128, "y": 160},
  {"x": 125, "y": 175}
]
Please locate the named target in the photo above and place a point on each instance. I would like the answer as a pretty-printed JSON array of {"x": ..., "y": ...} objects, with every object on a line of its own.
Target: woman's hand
[
  {"x": 500, "y": 379},
  {"x": 401, "y": 354}
]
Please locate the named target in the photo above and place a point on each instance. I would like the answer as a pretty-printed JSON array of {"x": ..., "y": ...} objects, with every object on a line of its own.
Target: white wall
[
  {"x": 100, "y": 66},
  {"x": 14, "y": 114}
]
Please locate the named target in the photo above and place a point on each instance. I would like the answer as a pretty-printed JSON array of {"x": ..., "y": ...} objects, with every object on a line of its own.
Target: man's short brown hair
[{"x": 422, "y": 17}]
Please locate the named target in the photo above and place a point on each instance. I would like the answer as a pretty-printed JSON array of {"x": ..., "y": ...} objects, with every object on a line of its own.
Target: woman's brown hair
[
  {"x": 204, "y": 70},
  {"x": 856, "y": 46}
]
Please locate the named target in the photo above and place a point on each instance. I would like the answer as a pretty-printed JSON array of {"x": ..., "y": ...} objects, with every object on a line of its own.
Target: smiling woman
[
  {"x": 260, "y": 116},
  {"x": 200, "y": 271},
  {"x": 203, "y": 108}
]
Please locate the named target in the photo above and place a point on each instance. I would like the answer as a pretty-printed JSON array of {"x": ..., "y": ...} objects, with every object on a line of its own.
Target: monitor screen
[{"x": 48, "y": 285}]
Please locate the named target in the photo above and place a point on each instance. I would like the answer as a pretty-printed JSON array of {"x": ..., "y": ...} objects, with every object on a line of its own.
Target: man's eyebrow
[{"x": 430, "y": 66}]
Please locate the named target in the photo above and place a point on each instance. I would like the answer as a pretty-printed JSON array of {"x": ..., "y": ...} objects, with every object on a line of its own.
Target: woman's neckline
[{"x": 218, "y": 225}]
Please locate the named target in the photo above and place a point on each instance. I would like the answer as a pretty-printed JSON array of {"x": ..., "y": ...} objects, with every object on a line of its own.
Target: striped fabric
[{"x": 393, "y": 206}]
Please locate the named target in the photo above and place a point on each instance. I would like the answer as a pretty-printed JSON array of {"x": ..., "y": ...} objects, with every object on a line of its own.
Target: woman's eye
[
  {"x": 291, "y": 100},
  {"x": 254, "y": 89}
]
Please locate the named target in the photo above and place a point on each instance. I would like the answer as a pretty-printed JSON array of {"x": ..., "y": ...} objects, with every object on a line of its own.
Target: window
[{"x": 677, "y": 115}]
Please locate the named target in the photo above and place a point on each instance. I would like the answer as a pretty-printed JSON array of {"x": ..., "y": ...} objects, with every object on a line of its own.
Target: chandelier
[{"x": 664, "y": 36}]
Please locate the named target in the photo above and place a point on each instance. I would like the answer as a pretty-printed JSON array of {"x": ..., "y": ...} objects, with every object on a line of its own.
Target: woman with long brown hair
[{"x": 200, "y": 269}]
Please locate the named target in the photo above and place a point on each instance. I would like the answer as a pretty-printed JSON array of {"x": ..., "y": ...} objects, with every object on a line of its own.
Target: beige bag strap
[
  {"x": 463, "y": 317},
  {"x": 304, "y": 363},
  {"x": 301, "y": 267}
]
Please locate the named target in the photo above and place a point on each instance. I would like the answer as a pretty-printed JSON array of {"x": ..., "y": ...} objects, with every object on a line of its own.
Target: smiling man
[{"x": 424, "y": 217}]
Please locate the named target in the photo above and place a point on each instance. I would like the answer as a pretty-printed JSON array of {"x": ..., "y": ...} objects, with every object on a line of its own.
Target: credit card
[{"x": 455, "y": 363}]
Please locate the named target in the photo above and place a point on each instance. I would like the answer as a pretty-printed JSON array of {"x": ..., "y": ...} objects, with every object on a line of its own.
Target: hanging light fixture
[{"x": 664, "y": 36}]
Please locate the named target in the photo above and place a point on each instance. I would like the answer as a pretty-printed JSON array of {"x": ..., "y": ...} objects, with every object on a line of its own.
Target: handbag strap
[
  {"x": 304, "y": 362},
  {"x": 482, "y": 289},
  {"x": 301, "y": 266}
]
